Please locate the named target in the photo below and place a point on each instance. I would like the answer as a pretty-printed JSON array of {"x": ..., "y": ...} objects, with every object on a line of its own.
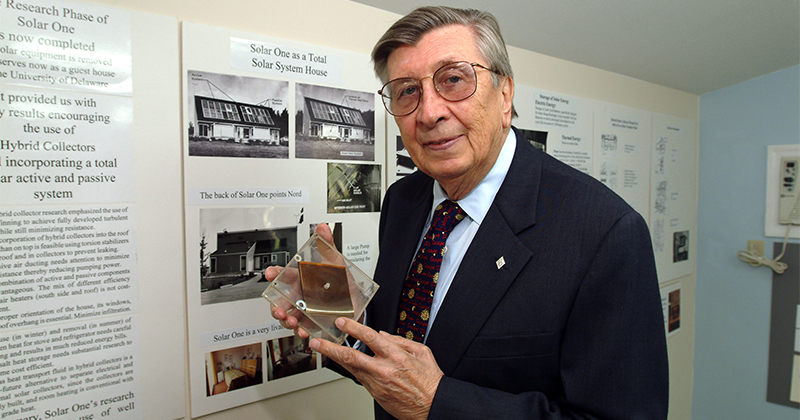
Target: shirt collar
[{"x": 476, "y": 204}]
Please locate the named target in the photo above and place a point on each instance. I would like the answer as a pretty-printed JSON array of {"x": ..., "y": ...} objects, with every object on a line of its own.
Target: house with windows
[
  {"x": 219, "y": 119},
  {"x": 250, "y": 251},
  {"x": 326, "y": 120}
]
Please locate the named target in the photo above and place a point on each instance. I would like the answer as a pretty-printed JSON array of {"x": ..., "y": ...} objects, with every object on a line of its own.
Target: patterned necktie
[{"x": 415, "y": 302}]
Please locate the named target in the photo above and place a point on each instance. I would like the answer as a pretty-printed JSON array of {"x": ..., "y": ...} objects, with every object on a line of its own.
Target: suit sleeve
[{"x": 612, "y": 358}]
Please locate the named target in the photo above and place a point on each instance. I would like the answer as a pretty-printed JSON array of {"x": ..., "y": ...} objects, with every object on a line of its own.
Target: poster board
[
  {"x": 279, "y": 136},
  {"x": 77, "y": 77}
]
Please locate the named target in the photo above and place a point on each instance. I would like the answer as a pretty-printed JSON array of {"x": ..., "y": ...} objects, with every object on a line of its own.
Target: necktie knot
[{"x": 446, "y": 216}]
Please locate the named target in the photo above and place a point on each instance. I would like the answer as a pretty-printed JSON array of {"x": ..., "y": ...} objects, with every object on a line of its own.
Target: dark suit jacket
[{"x": 570, "y": 327}]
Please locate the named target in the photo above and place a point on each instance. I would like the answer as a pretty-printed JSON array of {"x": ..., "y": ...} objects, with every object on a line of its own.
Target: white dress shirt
[{"x": 476, "y": 204}]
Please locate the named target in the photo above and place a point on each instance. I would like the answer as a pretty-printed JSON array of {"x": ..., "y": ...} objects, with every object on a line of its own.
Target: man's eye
[
  {"x": 407, "y": 91},
  {"x": 452, "y": 80}
]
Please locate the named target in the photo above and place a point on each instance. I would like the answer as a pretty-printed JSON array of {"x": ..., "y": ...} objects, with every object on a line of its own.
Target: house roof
[
  {"x": 239, "y": 242},
  {"x": 220, "y": 110},
  {"x": 321, "y": 111}
]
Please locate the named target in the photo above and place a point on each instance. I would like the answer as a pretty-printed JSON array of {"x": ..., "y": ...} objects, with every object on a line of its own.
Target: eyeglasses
[{"x": 454, "y": 82}]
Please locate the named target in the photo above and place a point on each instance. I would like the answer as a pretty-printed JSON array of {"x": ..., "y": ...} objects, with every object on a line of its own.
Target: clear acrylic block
[{"x": 319, "y": 285}]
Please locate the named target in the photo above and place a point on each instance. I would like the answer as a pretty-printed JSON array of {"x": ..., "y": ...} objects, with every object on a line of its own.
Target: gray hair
[{"x": 412, "y": 27}]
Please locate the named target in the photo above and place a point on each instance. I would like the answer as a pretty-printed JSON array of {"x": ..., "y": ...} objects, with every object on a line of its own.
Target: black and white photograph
[
  {"x": 334, "y": 123},
  {"x": 680, "y": 246},
  {"x": 236, "y": 245},
  {"x": 405, "y": 165},
  {"x": 235, "y": 116},
  {"x": 536, "y": 138},
  {"x": 234, "y": 368},
  {"x": 354, "y": 188}
]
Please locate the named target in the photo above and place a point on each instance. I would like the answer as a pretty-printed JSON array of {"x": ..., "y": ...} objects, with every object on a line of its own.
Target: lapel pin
[{"x": 500, "y": 262}]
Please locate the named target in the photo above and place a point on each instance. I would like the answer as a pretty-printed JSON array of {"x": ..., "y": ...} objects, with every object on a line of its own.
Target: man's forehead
[{"x": 435, "y": 49}]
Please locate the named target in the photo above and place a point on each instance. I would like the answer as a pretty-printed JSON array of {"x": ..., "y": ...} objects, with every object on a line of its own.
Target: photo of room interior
[
  {"x": 233, "y": 368},
  {"x": 289, "y": 356}
]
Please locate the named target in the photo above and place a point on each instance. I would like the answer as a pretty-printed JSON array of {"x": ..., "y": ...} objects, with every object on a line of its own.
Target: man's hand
[{"x": 402, "y": 376}]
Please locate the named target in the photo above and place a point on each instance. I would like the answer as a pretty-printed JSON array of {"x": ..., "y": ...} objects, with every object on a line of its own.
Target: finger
[
  {"x": 280, "y": 314},
  {"x": 415, "y": 348},
  {"x": 271, "y": 272},
  {"x": 378, "y": 343},
  {"x": 326, "y": 247},
  {"x": 399, "y": 340},
  {"x": 301, "y": 333},
  {"x": 287, "y": 321},
  {"x": 357, "y": 330},
  {"x": 324, "y": 230},
  {"x": 353, "y": 360},
  {"x": 277, "y": 312},
  {"x": 396, "y": 339},
  {"x": 349, "y": 358}
]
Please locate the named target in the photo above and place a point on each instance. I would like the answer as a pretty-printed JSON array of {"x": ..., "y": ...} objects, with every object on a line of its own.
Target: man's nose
[{"x": 432, "y": 107}]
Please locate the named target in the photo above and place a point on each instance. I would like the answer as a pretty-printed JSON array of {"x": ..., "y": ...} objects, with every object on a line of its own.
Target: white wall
[{"x": 351, "y": 26}]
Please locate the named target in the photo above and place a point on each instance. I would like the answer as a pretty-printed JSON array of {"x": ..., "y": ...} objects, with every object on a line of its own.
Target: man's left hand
[{"x": 402, "y": 376}]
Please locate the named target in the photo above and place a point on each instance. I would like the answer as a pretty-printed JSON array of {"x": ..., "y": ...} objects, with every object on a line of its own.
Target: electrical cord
[{"x": 754, "y": 260}]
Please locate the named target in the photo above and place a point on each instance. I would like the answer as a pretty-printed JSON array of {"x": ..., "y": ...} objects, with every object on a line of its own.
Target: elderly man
[{"x": 512, "y": 286}]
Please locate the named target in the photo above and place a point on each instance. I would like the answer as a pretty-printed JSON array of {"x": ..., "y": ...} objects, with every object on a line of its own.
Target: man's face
[{"x": 456, "y": 143}]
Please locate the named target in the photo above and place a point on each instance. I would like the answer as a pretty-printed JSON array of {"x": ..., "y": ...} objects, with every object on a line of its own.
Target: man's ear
[{"x": 507, "y": 92}]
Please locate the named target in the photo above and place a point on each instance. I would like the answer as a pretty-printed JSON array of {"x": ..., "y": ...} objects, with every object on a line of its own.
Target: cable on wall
[{"x": 750, "y": 257}]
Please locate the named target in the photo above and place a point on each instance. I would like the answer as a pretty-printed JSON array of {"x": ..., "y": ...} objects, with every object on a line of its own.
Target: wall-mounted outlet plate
[{"x": 756, "y": 247}]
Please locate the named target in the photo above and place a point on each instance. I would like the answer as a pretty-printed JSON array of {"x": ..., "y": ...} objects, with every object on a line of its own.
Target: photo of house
[
  {"x": 236, "y": 116},
  {"x": 334, "y": 123},
  {"x": 220, "y": 119},
  {"x": 329, "y": 121},
  {"x": 237, "y": 244},
  {"x": 247, "y": 252}
]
